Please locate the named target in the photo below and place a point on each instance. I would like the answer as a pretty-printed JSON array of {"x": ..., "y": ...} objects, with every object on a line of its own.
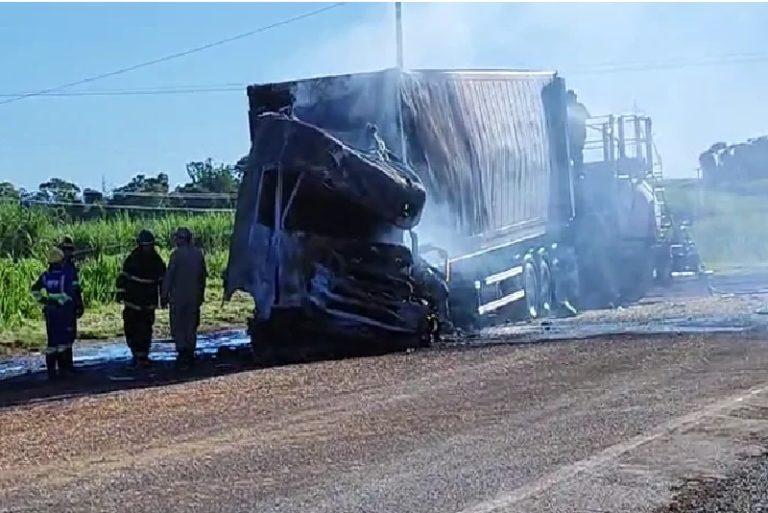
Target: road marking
[{"x": 504, "y": 500}]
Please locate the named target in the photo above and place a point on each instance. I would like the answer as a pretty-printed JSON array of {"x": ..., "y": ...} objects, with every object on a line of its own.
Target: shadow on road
[{"x": 113, "y": 375}]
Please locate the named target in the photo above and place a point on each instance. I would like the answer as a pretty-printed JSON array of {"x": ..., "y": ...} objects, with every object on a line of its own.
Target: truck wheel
[
  {"x": 545, "y": 289},
  {"x": 663, "y": 267},
  {"x": 531, "y": 289},
  {"x": 636, "y": 281},
  {"x": 261, "y": 336}
]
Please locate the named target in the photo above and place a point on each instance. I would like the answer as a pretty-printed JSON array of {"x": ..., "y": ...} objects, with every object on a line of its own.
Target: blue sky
[{"x": 86, "y": 138}]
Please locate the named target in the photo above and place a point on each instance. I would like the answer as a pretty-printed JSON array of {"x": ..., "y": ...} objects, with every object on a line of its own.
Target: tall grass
[
  {"x": 27, "y": 234},
  {"x": 729, "y": 225},
  {"x": 97, "y": 275},
  {"x": 16, "y": 303},
  {"x": 30, "y": 232}
]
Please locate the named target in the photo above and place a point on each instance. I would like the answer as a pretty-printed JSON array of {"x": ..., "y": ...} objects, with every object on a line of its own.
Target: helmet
[
  {"x": 55, "y": 256},
  {"x": 183, "y": 234},
  {"x": 145, "y": 238},
  {"x": 67, "y": 244}
]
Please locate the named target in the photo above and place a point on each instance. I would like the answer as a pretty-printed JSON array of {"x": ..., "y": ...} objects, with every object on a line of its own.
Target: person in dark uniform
[
  {"x": 55, "y": 289},
  {"x": 138, "y": 288},
  {"x": 577, "y": 129},
  {"x": 67, "y": 246}
]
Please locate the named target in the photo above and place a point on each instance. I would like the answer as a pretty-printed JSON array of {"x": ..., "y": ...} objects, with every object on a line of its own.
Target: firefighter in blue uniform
[
  {"x": 57, "y": 290},
  {"x": 67, "y": 246}
]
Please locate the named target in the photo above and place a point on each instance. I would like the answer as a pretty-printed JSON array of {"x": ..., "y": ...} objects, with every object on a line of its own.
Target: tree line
[
  {"x": 210, "y": 185},
  {"x": 729, "y": 164}
]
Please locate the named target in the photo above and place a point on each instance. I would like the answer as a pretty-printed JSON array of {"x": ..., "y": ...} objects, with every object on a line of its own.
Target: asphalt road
[{"x": 610, "y": 424}]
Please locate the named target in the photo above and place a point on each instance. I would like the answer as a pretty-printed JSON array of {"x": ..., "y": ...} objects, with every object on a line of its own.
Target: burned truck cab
[{"x": 318, "y": 239}]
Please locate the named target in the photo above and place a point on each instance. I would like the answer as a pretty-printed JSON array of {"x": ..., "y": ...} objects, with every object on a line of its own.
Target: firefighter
[
  {"x": 377, "y": 145},
  {"x": 577, "y": 129},
  {"x": 138, "y": 287},
  {"x": 67, "y": 246},
  {"x": 56, "y": 290},
  {"x": 184, "y": 290}
]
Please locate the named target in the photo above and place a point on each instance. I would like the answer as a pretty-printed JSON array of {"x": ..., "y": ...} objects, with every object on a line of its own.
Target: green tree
[
  {"x": 216, "y": 184},
  {"x": 142, "y": 190},
  {"x": 8, "y": 192},
  {"x": 59, "y": 190},
  {"x": 209, "y": 177}
]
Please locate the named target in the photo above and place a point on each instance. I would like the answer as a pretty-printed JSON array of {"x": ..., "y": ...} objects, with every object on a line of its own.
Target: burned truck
[{"x": 380, "y": 207}]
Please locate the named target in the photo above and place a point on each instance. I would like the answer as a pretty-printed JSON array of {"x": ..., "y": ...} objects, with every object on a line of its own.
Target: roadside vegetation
[
  {"x": 729, "y": 223},
  {"x": 27, "y": 233}
]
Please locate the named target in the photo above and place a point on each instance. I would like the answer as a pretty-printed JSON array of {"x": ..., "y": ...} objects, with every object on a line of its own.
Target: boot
[
  {"x": 183, "y": 360},
  {"x": 50, "y": 365},
  {"x": 63, "y": 363},
  {"x": 70, "y": 359}
]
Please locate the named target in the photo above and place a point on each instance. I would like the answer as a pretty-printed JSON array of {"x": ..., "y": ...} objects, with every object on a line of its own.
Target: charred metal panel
[
  {"x": 310, "y": 222},
  {"x": 483, "y": 143},
  {"x": 483, "y": 147}
]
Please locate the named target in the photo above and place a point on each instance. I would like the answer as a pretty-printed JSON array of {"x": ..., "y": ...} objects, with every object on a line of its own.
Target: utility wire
[
  {"x": 239, "y": 87},
  {"x": 173, "y": 56},
  {"x": 676, "y": 64},
  {"x": 130, "y": 92}
]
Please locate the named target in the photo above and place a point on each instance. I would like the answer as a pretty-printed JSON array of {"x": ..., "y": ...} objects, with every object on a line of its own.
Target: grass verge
[{"x": 105, "y": 322}]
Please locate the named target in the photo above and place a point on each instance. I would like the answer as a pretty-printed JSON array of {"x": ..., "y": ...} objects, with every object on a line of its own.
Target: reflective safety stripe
[
  {"x": 59, "y": 298},
  {"x": 139, "y": 280},
  {"x": 498, "y": 303},
  {"x": 75, "y": 284},
  {"x": 58, "y": 349},
  {"x": 137, "y": 307}
]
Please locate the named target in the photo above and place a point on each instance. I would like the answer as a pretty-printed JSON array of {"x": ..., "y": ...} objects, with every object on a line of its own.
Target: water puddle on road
[
  {"x": 95, "y": 353},
  {"x": 564, "y": 329}
]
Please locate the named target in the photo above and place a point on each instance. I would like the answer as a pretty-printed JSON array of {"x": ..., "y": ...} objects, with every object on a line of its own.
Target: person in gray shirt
[{"x": 184, "y": 289}]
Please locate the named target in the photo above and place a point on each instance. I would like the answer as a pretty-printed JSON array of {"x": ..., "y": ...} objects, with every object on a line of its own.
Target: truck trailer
[{"x": 378, "y": 209}]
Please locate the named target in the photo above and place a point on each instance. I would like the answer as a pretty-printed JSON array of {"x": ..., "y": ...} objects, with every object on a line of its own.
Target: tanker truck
[{"x": 378, "y": 209}]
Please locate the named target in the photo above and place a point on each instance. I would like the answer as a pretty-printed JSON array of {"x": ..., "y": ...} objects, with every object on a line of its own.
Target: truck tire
[
  {"x": 663, "y": 266},
  {"x": 637, "y": 278},
  {"x": 597, "y": 280},
  {"x": 531, "y": 289},
  {"x": 463, "y": 301},
  {"x": 546, "y": 288}
]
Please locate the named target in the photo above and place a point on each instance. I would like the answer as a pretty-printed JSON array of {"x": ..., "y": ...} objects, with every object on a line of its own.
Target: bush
[{"x": 16, "y": 302}]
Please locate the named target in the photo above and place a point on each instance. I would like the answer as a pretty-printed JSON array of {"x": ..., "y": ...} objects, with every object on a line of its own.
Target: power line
[
  {"x": 676, "y": 64},
  {"x": 132, "y": 92},
  {"x": 174, "y": 55},
  {"x": 239, "y": 87}
]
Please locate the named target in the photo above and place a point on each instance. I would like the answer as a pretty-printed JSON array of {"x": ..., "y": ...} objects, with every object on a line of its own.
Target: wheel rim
[
  {"x": 545, "y": 288},
  {"x": 530, "y": 286}
]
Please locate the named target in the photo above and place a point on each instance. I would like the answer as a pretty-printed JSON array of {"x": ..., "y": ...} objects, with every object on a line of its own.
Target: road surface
[
  {"x": 614, "y": 423},
  {"x": 578, "y": 426}
]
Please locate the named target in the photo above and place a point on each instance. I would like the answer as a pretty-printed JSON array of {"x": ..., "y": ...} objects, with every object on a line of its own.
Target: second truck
[{"x": 379, "y": 209}]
